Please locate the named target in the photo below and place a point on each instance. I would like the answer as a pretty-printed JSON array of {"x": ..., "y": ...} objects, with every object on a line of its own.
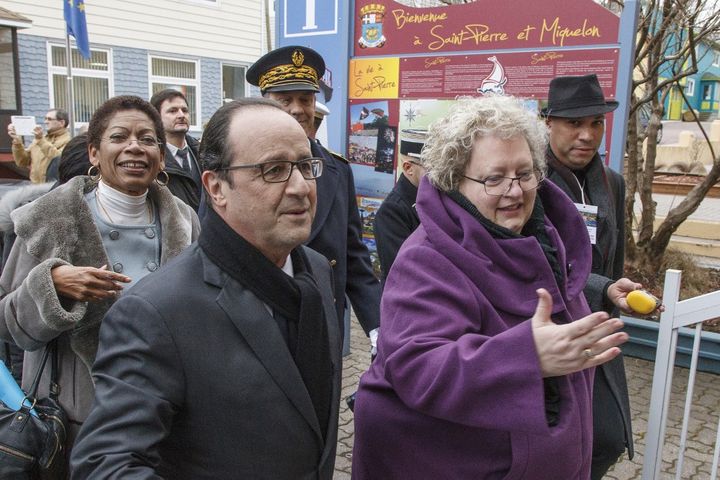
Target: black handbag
[{"x": 33, "y": 447}]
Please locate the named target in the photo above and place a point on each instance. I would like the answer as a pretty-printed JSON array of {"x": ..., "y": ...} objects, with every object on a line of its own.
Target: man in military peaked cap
[
  {"x": 291, "y": 76},
  {"x": 288, "y": 69}
]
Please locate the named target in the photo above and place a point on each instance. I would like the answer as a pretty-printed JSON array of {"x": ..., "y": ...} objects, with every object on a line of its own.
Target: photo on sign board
[
  {"x": 365, "y": 122},
  {"x": 371, "y": 148},
  {"x": 368, "y": 207},
  {"x": 415, "y": 116},
  {"x": 385, "y": 154}
]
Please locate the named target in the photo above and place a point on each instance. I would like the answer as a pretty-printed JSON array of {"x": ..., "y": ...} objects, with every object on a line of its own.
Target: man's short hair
[
  {"x": 215, "y": 149},
  {"x": 62, "y": 115},
  {"x": 100, "y": 119},
  {"x": 167, "y": 94}
]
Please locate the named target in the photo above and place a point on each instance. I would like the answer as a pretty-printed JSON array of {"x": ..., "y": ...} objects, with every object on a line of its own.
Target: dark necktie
[{"x": 183, "y": 153}]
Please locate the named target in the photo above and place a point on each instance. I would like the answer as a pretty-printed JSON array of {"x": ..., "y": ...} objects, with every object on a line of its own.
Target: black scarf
[
  {"x": 296, "y": 298},
  {"x": 535, "y": 227}
]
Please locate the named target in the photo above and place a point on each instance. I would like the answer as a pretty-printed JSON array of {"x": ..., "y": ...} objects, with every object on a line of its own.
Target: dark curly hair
[{"x": 101, "y": 118}]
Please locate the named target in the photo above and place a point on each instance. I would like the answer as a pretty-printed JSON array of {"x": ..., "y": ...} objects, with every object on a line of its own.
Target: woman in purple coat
[{"x": 487, "y": 354}]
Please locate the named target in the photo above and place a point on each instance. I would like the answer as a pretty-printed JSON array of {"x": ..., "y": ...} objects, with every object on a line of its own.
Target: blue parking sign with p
[{"x": 304, "y": 18}]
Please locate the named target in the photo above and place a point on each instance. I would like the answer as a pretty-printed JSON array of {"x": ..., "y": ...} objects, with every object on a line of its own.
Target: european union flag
[{"x": 76, "y": 25}]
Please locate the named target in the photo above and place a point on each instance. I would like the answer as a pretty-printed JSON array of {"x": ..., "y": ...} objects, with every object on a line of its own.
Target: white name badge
[{"x": 590, "y": 216}]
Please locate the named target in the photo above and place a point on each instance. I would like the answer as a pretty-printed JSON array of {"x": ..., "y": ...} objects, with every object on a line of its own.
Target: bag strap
[
  {"x": 54, "y": 385},
  {"x": 49, "y": 348}
]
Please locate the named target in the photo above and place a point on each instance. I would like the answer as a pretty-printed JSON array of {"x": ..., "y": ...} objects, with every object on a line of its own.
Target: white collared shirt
[{"x": 173, "y": 151}]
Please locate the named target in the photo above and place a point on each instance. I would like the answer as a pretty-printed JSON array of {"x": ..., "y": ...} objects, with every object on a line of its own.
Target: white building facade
[{"x": 201, "y": 47}]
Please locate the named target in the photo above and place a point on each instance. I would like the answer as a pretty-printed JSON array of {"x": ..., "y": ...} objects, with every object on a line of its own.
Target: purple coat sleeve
[{"x": 449, "y": 354}]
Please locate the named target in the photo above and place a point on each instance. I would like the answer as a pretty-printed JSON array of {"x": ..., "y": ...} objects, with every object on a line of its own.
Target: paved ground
[{"x": 701, "y": 437}]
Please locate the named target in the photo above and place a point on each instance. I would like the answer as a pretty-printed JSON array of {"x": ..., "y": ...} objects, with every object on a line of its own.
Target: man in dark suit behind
[
  {"x": 226, "y": 364},
  {"x": 291, "y": 76},
  {"x": 181, "y": 150}
]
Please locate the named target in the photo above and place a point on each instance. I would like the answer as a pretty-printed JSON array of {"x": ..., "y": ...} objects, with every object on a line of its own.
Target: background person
[
  {"x": 485, "y": 364},
  {"x": 290, "y": 75},
  {"x": 575, "y": 116},
  {"x": 74, "y": 161},
  {"x": 397, "y": 218},
  {"x": 181, "y": 149},
  {"x": 44, "y": 147},
  {"x": 78, "y": 246},
  {"x": 227, "y": 363}
]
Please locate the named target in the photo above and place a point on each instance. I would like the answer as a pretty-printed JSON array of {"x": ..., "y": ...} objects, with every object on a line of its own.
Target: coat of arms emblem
[{"x": 371, "y": 18}]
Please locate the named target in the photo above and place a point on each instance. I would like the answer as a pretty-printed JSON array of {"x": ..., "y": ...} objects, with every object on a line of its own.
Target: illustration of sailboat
[{"x": 495, "y": 82}]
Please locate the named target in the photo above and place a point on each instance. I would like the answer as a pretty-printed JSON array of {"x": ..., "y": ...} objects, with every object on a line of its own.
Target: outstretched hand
[
  {"x": 87, "y": 284},
  {"x": 584, "y": 343}
]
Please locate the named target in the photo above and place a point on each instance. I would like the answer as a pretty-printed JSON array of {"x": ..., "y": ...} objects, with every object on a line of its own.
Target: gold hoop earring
[
  {"x": 95, "y": 177},
  {"x": 167, "y": 179}
]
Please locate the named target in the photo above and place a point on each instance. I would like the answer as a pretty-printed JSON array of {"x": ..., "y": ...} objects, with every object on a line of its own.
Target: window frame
[
  {"x": 245, "y": 82},
  {"x": 78, "y": 72},
  {"x": 690, "y": 87},
  {"x": 178, "y": 81}
]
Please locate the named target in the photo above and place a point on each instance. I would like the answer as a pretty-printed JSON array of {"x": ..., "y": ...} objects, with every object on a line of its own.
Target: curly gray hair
[{"x": 450, "y": 139}]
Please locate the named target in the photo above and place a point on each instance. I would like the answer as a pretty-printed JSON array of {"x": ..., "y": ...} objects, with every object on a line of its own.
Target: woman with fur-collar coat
[{"x": 82, "y": 225}]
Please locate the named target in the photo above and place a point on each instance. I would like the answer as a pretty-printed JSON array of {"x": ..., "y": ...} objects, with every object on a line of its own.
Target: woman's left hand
[
  {"x": 587, "y": 342},
  {"x": 87, "y": 284}
]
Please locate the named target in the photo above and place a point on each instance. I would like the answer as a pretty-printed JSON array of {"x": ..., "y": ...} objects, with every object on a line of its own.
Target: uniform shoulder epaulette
[{"x": 338, "y": 156}]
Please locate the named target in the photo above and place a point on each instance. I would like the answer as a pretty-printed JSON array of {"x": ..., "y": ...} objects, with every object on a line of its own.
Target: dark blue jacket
[{"x": 337, "y": 234}]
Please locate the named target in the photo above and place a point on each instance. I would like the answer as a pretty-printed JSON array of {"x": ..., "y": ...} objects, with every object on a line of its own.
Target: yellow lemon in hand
[{"x": 642, "y": 301}]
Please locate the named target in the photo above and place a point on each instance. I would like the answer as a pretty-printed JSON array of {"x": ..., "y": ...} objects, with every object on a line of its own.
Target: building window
[
  {"x": 716, "y": 59},
  {"x": 92, "y": 83},
  {"x": 690, "y": 87},
  {"x": 707, "y": 92},
  {"x": 233, "y": 82},
  {"x": 8, "y": 92},
  {"x": 181, "y": 75}
]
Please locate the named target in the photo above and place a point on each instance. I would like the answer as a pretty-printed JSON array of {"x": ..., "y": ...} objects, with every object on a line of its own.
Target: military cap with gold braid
[{"x": 286, "y": 69}]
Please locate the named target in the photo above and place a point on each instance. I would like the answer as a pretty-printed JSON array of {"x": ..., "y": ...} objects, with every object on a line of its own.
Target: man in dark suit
[
  {"x": 575, "y": 116},
  {"x": 290, "y": 75},
  {"x": 397, "y": 218},
  {"x": 181, "y": 150},
  {"x": 226, "y": 363}
]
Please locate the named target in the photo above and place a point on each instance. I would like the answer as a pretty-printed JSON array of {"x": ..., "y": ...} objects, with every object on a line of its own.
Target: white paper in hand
[{"x": 24, "y": 125}]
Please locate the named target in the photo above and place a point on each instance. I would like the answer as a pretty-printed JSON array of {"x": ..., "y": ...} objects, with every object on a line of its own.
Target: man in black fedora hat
[
  {"x": 291, "y": 76},
  {"x": 575, "y": 116}
]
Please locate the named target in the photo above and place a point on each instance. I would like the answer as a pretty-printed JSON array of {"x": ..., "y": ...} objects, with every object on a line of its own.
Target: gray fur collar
[{"x": 60, "y": 227}]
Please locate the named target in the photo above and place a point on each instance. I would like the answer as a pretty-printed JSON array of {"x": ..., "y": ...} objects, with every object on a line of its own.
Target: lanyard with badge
[{"x": 588, "y": 212}]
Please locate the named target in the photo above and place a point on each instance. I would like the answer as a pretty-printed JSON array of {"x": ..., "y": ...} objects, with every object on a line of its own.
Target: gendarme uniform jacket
[{"x": 337, "y": 234}]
